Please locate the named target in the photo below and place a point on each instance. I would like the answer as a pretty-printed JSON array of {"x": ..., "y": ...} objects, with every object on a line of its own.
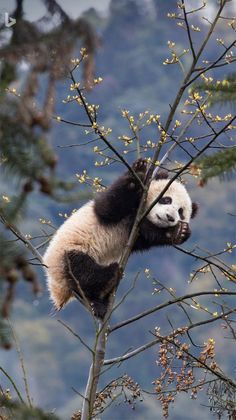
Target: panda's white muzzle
[{"x": 164, "y": 216}]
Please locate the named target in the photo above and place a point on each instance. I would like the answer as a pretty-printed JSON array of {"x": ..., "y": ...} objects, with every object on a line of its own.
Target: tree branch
[
  {"x": 102, "y": 137},
  {"x": 186, "y": 167},
  {"x": 164, "y": 305},
  {"x": 23, "y": 239},
  {"x": 188, "y": 31},
  {"x": 154, "y": 342}
]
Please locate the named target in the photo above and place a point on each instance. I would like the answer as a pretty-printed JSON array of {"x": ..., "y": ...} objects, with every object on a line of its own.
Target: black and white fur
[{"x": 83, "y": 256}]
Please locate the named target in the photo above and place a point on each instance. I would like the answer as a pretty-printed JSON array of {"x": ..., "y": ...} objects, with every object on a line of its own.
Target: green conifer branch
[
  {"x": 222, "y": 164},
  {"x": 222, "y": 92}
]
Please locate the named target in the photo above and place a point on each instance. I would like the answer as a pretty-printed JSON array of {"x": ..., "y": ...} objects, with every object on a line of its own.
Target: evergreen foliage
[
  {"x": 19, "y": 411},
  {"x": 222, "y": 92},
  {"x": 222, "y": 163},
  {"x": 27, "y": 160}
]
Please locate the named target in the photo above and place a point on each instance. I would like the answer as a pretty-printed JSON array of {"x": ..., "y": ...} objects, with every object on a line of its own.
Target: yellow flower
[
  {"x": 170, "y": 44},
  {"x": 6, "y": 199},
  {"x": 125, "y": 113},
  {"x": 177, "y": 123},
  {"x": 195, "y": 28}
]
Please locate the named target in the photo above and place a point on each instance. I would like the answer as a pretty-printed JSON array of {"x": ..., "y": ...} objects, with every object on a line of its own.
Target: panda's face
[{"x": 174, "y": 206}]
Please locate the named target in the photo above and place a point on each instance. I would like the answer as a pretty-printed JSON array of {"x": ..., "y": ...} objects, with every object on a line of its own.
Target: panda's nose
[{"x": 170, "y": 218}]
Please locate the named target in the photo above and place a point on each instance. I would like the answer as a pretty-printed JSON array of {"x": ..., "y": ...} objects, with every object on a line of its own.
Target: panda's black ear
[
  {"x": 195, "y": 208},
  {"x": 161, "y": 174}
]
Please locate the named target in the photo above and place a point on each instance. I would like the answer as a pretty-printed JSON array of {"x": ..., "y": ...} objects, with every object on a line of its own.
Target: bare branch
[
  {"x": 102, "y": 137},
  {"x": 186, "y": 166},
  {"x": 76, "y": 335},
  {"x": 23, "y": 239},
  {"x": 72, "y": 122},
  {"x": 154, "y": 342},
  {"x": 212, "y": 65},
  {"x": 166, "y": 304},
  {"x": 215, "y": 372},
  {"x": 13, "y": 384},
  {"x": 131, "y": 353},
  {"x": 188, "y": 30}
]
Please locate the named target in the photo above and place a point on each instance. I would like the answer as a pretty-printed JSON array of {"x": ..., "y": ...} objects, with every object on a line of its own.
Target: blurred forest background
[{"x": 128, "y": 44}]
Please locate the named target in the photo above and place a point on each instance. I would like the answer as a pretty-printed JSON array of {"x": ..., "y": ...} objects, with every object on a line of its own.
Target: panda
[{"x": 82, "y": 259}]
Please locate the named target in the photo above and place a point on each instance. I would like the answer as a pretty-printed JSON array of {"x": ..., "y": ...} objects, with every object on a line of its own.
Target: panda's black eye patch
[
  {"x": 181, "y": 213},
  {"x": 165, "y": 200}
]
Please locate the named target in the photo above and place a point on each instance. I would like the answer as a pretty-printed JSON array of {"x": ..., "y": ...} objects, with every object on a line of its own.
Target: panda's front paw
[
  {"x": 140, "y": 167},
  {"x": 182, "y": 233}
]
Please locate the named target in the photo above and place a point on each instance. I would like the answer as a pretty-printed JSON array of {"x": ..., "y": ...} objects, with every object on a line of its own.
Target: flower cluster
[
  {"x": 123, "y": 386},
  {"x": 95, "y": 182},
  {"x": 77, "y": 61},
  {"x": 179, "y": 368}
]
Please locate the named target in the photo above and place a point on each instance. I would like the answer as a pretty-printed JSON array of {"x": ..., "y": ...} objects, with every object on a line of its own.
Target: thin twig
[
  {"x": 185, "y": 167},
  {"x": 157, "y": 340},
  {"x": 203, "y": 364},
  {"x": 188, "y": 30},
  {"x": 13, "y": 384},
  {"x": 20, "y": 355},
  {"x": 75, "y": 335},
  {"x": 71, "y": 122},
  {"x": 131, "y": 353},
  {"x": 102, "y": 137},
  {"x": 23, "y": 239},
  {"x": 166, "y": 304},
  {"x": 212, "y": 65},
  {"x": 126, "y": 293}
]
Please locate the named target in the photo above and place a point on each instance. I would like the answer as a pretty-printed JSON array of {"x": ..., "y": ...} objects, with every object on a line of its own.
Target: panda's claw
[
  {"x": 131, "y": 185},
  {"x": 140, "y": 166},
  {"x": 182, "y": 234},
  {"x": 99, "y": 308}
]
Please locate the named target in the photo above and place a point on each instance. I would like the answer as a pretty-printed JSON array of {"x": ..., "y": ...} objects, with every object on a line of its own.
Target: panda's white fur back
[{"x": 83, "y": 232}]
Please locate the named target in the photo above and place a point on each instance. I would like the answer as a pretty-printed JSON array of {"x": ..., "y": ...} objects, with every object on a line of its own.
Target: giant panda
[{"x": 82, "y": 258}]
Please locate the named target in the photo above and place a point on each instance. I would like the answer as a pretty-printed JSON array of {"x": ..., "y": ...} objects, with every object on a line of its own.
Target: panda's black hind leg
[{"x": 97, "y": 282}]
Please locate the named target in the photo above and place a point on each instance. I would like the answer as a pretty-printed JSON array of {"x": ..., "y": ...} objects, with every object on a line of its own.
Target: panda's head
[{"x": 174, "y": 206}]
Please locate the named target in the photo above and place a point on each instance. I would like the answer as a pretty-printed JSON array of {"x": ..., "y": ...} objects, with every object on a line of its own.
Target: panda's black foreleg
[
  {"x": 95, "y": 281},
  {"x": 151, "y": 235},
  {"x": 121, "y": 199}
]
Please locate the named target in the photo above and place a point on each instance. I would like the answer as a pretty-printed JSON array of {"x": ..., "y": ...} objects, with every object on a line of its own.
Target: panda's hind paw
[{"x": 99, "y": 308}]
